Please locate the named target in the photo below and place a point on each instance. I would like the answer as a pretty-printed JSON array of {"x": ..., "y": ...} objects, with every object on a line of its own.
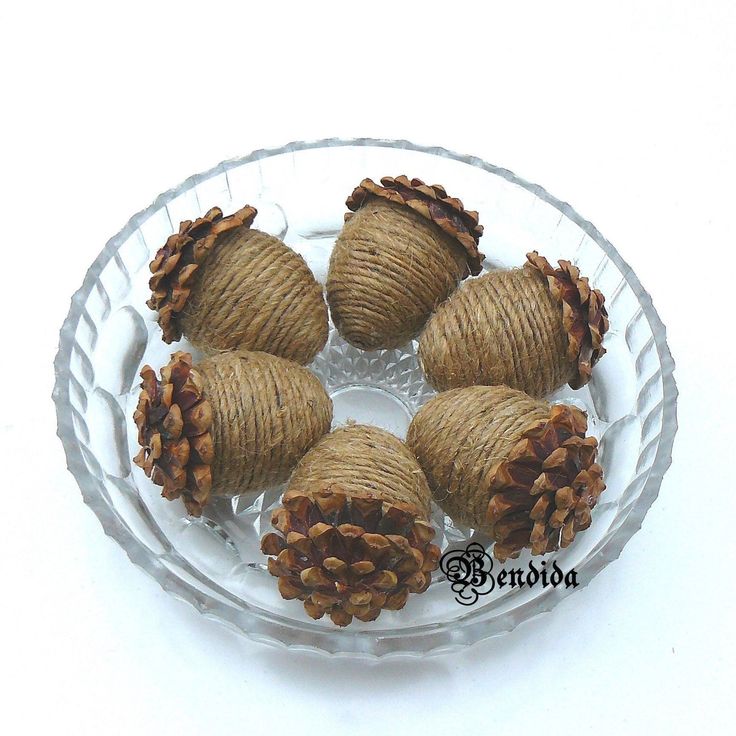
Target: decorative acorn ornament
[
  {"x": 532, "y": 328},
  {"x": 403, "y": 249},
  {"x": 516, "y": 468},
  {"x": 225, "y": 286},
  {"x": 354, "y": 533},
  {"x": 235, "y": 422}
]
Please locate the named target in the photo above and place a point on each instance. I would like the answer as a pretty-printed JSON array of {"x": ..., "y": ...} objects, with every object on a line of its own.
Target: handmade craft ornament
[
  {"x": 236, "y": 422},
  {"x": 516, "y": 468},
  {"x": 355, "y": 537},
  {"x": 532, "y": 328},
  {"x": 225, "y": 286},
  {"x": 403, "y": 249}
]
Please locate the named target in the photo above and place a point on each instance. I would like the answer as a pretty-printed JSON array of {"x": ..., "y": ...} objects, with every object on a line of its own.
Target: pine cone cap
[
  {"x": 584, "y": 315},
  {"x": 174, "y": 420},
  {"x": 349, "y": 556},
  {"x": 433, "y": 203},
  {"x": 543, "y": 493},
  {"x": 179, "y": 259}
]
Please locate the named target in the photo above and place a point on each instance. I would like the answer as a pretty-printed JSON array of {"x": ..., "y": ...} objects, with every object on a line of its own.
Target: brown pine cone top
[
  {"x": 542, "y": 495},
  {"x": 179, "y": 259},
  {"x": 174, "y": 420},
  {"x": 433, "y": 203},
  {"x": 349, "y": 556},
  {"x": 584, "y": 315}
]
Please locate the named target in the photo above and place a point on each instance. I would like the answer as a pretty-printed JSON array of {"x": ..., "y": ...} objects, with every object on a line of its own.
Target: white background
[{"x": 625, "y": 109}]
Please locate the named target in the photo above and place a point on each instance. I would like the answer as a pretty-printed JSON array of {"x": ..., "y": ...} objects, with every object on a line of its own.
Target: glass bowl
[{"x": 214, "y": 562}]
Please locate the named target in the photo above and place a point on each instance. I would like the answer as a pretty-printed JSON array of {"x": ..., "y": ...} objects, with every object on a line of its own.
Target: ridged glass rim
[{"x": 425, "y": 639}]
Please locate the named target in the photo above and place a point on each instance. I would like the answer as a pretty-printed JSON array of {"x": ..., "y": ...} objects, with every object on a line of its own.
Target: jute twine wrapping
[
  {"x": 505, "y": 327},
  {"x": 389, "y": 270},
  {"x": 520, "y": 470},
  {"x": 254, "y": 293},
  {"x": 460, "y": 435},
  {"x": 353, "y": 536},
  {"x": 267, "y": 412},
  {"x": 363, "y": 461}
]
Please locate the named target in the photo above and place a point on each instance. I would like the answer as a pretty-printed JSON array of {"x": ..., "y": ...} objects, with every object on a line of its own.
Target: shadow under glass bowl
[{"x": 214, "y": 562}]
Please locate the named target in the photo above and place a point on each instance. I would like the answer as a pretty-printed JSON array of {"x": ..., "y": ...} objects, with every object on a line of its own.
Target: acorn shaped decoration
[
  {"x": 516, "y": 468},
  {"x": 355, "y": 536},
  {"x": 532, "y": 328},
  {"x": 235, "y": 422},
  {"x": 403, "y": 251},
  {"x": 225, "y": 286}
]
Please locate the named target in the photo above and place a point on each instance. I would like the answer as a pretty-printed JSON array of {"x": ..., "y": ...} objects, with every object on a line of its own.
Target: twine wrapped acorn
[
  {"x": 402, "y": 252},
  {"x": 226, "y": 286},
  {"x": 235, "y": 422},
  {"x": 355, "y": 536},
  {"x": 533, "y": 329},
  {"x": 519, "y": 469}
]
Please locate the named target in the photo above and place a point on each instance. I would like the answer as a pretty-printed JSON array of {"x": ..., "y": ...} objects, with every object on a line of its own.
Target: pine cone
[
  {"x": 174, "y": 421},
  {"x": 553, "y": 465},
  {"x": 226, "y": 286},
  {"x": 532, "y": 328},
  {"x": 236, "y": 422},
  {"x": 403, "y": 250},
  {"x": 356, "y": 549},
  {"x": 518, "y": 469},
  {"x": 583, "y": 315}
]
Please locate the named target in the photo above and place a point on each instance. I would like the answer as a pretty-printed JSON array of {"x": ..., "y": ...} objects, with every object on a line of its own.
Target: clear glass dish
[{"x": 214, "y": 562}]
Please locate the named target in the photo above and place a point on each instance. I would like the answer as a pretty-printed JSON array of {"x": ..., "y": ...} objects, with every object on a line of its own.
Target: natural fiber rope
[
  {"x": 502, "y": 328},
  {"x": 366, "y": 462},
  {"x": 389, "y": 270},
  {"x": 254, "y": 293},
  {"x": 460, "y": 435},
  {"x": 267, "y": 412}
]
